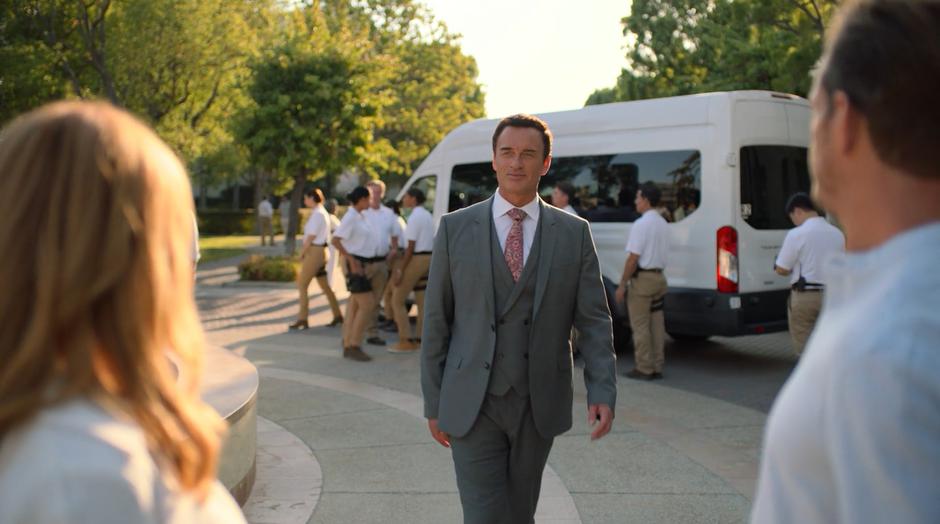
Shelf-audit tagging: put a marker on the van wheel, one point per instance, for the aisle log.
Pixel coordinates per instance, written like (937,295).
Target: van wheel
(683,337)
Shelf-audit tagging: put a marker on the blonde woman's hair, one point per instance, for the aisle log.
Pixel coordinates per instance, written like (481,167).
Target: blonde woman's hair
(97,280)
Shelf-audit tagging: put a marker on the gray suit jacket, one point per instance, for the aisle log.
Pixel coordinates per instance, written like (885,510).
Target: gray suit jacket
(459,336)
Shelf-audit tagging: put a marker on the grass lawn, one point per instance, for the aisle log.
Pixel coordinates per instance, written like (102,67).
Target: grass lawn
(216,248)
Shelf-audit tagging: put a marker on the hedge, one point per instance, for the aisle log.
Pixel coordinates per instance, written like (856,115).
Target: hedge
(270,269)
(237,222)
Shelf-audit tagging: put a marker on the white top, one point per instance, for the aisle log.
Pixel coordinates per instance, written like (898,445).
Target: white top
(854,436)
(317,226)
(649,238)
(77,462)
(806,248)
(265,209)
(357,235)
(384,222)
(504,223)
(569,209)
(420,229)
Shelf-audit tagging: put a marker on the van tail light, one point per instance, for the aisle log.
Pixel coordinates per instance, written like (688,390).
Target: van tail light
(727,273)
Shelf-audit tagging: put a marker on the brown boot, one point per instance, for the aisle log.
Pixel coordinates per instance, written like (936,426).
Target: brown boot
(355,353)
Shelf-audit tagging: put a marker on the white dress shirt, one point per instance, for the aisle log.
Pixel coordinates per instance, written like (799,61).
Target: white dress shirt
(649,238)
(357,235)
(317,226)
(78,462)
(504,223)
(420,229)
(854,435)
(806,248)
(384,223)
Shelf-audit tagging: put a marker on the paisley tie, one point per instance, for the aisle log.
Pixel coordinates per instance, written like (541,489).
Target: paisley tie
(513,250)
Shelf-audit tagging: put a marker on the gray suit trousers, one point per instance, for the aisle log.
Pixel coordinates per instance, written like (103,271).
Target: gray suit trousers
(499,462)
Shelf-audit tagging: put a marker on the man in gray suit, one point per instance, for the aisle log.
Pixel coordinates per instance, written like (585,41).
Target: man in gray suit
(509,278)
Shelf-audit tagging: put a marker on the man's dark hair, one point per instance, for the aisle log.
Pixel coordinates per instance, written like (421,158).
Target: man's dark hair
(567,189)
(315,194)
(357,194)
(524,120)
(801,201)
(394,205)
(651,192)
(417,194)
(885,56)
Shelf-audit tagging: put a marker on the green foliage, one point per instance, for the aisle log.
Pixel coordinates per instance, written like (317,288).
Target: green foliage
(270,269)
(694,46)
(227,222)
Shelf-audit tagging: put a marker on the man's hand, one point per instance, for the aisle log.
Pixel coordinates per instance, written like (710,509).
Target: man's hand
(355,266)
(443,438)
(621,294)
(599,416)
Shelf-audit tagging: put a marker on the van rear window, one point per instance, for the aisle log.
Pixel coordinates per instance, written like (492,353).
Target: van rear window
(769,175)
(604,185)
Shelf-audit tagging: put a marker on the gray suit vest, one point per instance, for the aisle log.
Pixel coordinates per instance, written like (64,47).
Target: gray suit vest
(514,302)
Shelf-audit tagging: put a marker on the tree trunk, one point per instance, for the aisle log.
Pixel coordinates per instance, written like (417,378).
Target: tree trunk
(296,199)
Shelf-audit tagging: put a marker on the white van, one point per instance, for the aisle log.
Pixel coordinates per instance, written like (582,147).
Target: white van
(726,164)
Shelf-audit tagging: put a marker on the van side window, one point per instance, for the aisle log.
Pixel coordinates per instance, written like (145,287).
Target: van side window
(605,185)
(769,175)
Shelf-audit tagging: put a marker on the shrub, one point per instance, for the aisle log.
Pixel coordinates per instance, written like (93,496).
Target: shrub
(270,269)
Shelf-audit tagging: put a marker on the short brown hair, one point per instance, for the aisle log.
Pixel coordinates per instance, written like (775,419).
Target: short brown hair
(885,56)
(524,120)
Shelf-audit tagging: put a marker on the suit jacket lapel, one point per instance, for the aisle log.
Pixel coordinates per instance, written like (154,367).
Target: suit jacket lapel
(545,255)
(482,230)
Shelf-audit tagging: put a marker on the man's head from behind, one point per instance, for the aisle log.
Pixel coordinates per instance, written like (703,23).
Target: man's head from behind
(799,208)
(647,197)
(875,97)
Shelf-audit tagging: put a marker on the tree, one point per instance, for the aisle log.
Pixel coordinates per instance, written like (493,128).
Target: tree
(696,46)
(314,112)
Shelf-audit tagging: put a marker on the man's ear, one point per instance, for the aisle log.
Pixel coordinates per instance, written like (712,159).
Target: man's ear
(847,123)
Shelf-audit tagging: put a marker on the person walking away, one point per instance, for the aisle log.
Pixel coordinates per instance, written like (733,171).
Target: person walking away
(101,419)
(265,218)
(384,224)
(496,364)
(313,258)
(805,248)
(356,241)
(413,271)
(644,284)
(854,435)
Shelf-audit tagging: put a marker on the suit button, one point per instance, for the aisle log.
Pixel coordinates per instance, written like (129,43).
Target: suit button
(525,356)
(493,327)
(486,365)
(526,322)
(502,321)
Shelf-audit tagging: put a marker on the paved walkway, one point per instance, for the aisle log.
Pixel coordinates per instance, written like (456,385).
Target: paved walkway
(357,450)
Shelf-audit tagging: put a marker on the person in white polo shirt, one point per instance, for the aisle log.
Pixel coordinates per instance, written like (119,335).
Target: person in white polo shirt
(356,242)
(384,224)
(313,257)
(805,249)
(644,284)
(413,271)
(562,196)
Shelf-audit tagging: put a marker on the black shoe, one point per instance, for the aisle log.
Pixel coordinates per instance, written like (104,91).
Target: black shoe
(639,375)
(300,324)
(356,353)
(335,322)
(656,376)
(375,341)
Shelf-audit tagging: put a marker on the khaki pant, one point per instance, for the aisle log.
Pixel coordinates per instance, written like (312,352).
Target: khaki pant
(416,271)
(802,311)
(649,327)
(388,297)
(266,229)
(360,309)
(379,279)
(313,265)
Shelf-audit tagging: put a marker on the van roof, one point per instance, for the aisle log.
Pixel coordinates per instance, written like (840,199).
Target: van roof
(656,112)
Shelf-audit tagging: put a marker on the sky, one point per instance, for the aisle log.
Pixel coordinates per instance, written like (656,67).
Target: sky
(538,56)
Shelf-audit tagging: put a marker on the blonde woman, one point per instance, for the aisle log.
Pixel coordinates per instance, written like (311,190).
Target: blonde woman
(313,257)
(95,424)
